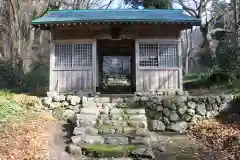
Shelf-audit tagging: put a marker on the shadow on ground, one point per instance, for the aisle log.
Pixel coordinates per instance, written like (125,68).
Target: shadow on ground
(231,115)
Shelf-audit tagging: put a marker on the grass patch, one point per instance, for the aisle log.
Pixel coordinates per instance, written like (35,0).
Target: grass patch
(5,93)
(206,83)
(9,109)
(16,106)
(196,80)
(23,130)
(194,77)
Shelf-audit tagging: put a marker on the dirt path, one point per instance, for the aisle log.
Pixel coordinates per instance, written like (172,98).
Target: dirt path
(57,141)
(170,146)
(57,147)
(179,147)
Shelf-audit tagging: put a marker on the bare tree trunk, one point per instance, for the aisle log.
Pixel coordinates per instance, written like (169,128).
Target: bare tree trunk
(237,3)
(235,23)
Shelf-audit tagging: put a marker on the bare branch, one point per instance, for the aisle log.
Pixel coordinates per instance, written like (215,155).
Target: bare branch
(190,10)
(109,3)
(196,3)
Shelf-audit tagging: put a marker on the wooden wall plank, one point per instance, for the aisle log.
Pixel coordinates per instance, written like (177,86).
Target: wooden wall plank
(74,81)
(157,79)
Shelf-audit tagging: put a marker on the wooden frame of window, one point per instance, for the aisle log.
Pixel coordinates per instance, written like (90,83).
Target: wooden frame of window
(70,42)
(76,58)
(147,76)
(53,85)
(159,42)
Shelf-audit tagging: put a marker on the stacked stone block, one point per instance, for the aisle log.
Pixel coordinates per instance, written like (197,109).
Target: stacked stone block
(177,113)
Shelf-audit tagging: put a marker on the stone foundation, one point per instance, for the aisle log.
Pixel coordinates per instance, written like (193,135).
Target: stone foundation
(126,120)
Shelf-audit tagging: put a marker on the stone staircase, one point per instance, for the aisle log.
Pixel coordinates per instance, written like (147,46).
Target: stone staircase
(106,126)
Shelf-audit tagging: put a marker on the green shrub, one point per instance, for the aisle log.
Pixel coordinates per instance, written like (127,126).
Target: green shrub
(191,76)
(14,77)
(11,75)
(228,61)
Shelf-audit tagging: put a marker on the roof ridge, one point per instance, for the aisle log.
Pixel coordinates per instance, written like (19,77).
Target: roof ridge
(117,10)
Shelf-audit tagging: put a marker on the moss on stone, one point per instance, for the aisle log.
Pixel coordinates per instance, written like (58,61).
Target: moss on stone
(106,126)
(58,113)
(129,130)
(109,148)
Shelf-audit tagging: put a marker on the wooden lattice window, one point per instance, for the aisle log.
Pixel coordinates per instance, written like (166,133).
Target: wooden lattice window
(158,55)
(148,54)
(82,55)
(73,55)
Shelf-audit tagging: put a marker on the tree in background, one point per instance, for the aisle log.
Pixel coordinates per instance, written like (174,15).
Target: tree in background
(158,4)
(28,47)
(152,4)
(81,4)
(22,33)
(203,9)
(214,15)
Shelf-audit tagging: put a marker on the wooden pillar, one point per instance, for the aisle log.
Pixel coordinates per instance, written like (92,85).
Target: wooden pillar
(136,66)
(94,64)
(52,86)
(180,74)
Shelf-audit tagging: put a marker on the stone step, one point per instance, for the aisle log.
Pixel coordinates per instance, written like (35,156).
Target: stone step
(126,139)
(85,130)
(86,120)
(111,99)
(87,139)
(116,140)
(111,151)
(133,111)
(130,136)
(97,99)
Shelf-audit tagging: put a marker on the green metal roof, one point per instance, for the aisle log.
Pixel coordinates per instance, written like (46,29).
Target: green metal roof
(114,15)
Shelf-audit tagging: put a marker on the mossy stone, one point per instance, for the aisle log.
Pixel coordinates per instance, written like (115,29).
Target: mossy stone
(107,150)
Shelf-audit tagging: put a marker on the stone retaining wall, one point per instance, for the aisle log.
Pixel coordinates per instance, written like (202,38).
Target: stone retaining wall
(144,110)
(180,112)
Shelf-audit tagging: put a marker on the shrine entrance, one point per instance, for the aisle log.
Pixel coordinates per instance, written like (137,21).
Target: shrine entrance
(116,66)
